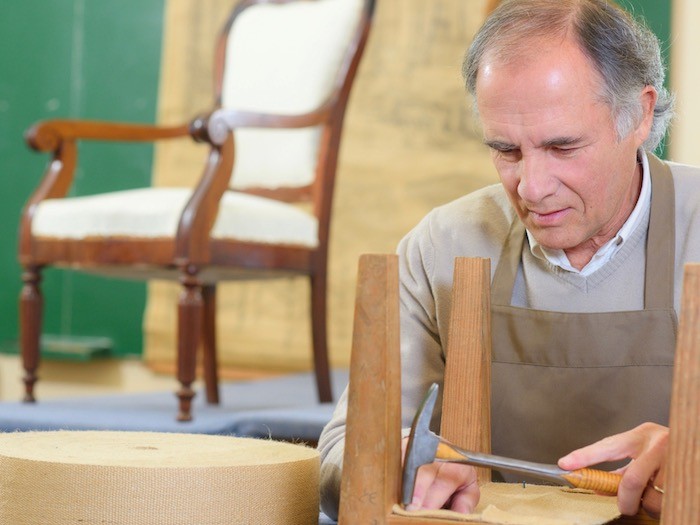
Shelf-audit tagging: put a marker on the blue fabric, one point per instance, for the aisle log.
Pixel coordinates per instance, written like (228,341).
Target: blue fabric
(280,408)
(325,520)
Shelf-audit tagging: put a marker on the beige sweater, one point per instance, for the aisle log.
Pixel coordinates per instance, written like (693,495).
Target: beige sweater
(476,225)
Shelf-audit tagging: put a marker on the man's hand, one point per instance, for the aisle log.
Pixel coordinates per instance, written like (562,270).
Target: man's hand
(444,485)
(643,477)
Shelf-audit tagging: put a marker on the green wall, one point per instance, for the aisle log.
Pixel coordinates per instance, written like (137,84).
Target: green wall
(92,59)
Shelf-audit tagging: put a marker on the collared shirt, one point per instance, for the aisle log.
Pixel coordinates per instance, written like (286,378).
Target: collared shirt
(610,248)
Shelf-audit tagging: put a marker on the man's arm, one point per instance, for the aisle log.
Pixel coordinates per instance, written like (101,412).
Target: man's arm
(331,446)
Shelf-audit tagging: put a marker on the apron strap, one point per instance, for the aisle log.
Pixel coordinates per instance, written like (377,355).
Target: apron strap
(508,263)
(661,238)
(661,241)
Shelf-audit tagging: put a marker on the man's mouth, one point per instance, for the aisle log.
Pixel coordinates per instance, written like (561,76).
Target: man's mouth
(547,218)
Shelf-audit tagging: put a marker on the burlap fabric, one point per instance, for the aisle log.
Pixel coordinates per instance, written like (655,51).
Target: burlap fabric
(515,504)
(135,478)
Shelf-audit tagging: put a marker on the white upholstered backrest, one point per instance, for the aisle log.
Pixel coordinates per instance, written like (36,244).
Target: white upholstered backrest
(284,58)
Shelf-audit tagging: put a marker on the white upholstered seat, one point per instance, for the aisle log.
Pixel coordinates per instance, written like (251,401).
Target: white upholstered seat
(155,212)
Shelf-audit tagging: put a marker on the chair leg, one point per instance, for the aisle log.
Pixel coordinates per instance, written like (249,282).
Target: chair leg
(211,378)
(189,329)
(31,304)
(319,336)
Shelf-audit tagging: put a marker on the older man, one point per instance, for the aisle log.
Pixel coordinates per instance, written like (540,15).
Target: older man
(587,233)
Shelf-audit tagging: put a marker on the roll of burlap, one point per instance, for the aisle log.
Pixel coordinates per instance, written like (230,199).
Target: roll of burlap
(515,504)
(142,478)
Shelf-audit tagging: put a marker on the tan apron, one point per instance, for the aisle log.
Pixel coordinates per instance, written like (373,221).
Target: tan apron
(564,380)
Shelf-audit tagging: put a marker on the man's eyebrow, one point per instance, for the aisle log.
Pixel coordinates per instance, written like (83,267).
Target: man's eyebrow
(499,145)
(555,142)
(561,141)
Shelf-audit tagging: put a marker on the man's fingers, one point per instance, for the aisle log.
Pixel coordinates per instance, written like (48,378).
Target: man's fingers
(640,478)
(646,446)
(454,483)
(465,500)
(424,481)
(653,495)
(613,448)
(630,444)
(438,484)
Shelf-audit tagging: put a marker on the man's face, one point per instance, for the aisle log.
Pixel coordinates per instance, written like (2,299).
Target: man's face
(555,147)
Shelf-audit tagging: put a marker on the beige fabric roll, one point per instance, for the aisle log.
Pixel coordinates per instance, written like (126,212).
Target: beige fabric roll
(515,504)
(139,478)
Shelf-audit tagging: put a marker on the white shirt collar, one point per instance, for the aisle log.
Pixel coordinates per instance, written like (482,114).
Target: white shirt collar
(605,252)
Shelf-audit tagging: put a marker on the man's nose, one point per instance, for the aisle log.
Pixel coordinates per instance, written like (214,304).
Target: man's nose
(536,181)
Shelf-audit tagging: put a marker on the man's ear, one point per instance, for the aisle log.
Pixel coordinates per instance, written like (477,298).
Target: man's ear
(647,99)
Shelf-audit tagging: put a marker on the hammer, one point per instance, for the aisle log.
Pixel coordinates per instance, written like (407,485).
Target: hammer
(425,447)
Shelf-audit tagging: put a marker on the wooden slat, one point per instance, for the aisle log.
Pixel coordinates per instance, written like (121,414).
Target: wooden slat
(466,415)
(395,519)
(372,462)
(640,519)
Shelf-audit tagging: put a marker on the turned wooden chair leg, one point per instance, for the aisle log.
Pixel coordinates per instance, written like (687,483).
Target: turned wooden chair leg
(211,378)
(319,335)
(189,330)
(31,304)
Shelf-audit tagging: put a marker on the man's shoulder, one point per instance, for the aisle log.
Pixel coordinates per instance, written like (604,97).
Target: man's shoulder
(472,224)
(483,205)
(683,170)
(686,182)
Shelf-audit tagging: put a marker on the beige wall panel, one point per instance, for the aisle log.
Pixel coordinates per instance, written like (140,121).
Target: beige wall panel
(409,145)
(685,81)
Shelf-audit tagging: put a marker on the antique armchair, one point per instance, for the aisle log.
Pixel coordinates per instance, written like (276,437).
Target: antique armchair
(283,73)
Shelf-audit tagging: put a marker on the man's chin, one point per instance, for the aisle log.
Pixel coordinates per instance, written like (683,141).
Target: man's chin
(552,242)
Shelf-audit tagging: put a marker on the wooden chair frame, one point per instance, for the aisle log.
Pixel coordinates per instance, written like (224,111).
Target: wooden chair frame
(371,480)
(192,251)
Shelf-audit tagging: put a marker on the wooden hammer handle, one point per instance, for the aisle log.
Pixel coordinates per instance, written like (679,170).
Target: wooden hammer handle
(598,480)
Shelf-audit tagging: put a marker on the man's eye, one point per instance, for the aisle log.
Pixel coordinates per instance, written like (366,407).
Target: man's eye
(509,154)
(564,151)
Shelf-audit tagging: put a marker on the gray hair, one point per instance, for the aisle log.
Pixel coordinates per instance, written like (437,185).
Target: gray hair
(623,50)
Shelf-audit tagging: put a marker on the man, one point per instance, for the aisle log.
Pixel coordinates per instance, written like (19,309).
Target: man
(587,235)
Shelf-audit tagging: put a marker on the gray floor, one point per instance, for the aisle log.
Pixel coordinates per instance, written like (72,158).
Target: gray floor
(283,407)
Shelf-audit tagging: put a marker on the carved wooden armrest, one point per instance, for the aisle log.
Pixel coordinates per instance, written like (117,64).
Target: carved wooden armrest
(215,126)
(49,135)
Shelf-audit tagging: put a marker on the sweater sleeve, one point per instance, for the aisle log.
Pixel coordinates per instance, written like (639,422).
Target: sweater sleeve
(422,356)
(331,446)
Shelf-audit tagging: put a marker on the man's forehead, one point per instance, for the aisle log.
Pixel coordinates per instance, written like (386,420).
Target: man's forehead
(510,50)
(526,53)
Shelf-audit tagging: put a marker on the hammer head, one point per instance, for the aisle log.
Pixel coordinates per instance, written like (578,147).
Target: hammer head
(422,444)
